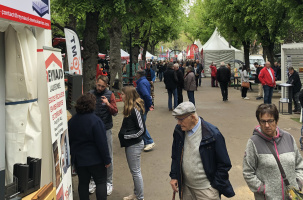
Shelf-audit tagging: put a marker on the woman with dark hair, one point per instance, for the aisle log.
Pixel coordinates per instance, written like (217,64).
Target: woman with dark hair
(88,147)
(190,84)
(260,168)
(244,78)
(130,136)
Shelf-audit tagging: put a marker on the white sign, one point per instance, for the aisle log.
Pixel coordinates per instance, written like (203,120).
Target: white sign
(32,12)
(73,49)
(58,124)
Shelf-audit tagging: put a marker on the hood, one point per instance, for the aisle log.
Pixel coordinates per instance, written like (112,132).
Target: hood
(258,132)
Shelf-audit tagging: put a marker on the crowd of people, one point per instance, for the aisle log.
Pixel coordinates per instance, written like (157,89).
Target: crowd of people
(200,161)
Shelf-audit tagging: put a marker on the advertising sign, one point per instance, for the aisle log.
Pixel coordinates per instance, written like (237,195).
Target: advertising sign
(32,12)
(58,123)
(73,49)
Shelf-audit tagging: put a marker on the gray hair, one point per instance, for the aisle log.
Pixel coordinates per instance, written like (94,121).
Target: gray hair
(170,65)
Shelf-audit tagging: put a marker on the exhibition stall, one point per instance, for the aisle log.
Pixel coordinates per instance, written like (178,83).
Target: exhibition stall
(32,101)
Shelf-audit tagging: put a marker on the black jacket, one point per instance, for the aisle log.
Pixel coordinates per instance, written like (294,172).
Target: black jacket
(180,77)
(132,129)
(214,157)
(294,79)
(102,110)
(223,74)
(87,140)
(170,79)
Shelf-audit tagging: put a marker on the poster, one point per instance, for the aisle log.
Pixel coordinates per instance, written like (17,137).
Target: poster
(32,12)
(58,124)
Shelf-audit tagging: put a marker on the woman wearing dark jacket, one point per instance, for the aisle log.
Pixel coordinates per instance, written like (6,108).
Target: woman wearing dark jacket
(130,136)
(88,147)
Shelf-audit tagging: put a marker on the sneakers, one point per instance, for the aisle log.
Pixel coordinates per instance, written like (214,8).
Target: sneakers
(246,98)
(149,147)
(92,187)
(130,197)
(258,98)
(109,189)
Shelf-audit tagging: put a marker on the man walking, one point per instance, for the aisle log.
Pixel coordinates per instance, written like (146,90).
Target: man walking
(267,78)
(200,161)
(180,83)
(170,81)
(105,108)
(151,77)
(143,89)
(294,79)
(223,77)
(260,87)
(199,70)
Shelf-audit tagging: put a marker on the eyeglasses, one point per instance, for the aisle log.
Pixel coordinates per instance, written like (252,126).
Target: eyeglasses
(181,119)
(270,121)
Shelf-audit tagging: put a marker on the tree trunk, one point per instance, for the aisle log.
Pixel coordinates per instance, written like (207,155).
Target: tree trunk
(90,52)
(115,32)
(269,51)
(246,45)
(144,51)
(72,21)
(135,46)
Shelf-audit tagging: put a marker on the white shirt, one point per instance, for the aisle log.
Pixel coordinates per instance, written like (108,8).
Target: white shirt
(272,78)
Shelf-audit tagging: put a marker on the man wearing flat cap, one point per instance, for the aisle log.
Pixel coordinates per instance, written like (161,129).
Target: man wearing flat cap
(200,161)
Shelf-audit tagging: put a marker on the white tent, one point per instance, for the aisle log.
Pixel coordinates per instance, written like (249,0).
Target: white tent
(198,43)
(148,56)
(217,50)
(124,54)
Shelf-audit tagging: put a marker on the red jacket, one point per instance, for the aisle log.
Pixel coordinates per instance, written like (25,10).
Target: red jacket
(265,77)
(213,70)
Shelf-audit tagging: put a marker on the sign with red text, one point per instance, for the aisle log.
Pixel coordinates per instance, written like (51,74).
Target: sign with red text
(58,123)
(73,50)
(31,12)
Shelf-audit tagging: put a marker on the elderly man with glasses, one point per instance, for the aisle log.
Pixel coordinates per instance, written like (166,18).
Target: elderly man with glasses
(200,161)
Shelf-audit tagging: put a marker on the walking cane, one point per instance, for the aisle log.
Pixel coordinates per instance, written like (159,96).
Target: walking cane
(174,195)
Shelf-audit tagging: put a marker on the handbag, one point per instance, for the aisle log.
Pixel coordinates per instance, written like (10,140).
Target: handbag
(290,191)
(245,84)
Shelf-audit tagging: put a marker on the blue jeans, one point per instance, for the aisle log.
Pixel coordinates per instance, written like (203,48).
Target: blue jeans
(133,156)
(160,76)
(146,137)
(170,93)
(191,96)
(109,136)
(267,94)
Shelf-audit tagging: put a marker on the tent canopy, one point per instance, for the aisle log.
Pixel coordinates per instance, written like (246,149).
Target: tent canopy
(217,50)
(148,56)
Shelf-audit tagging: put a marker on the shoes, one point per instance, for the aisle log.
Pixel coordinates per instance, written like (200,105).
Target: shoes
(91,186)
(170,109)
(246,98)
(149,147)
(297,112)
(109,189)
(258,98)
(130,197)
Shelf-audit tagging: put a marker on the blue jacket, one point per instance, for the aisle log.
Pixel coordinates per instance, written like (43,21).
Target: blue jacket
(88,141)
(152,74)
(143,88)
(214,157)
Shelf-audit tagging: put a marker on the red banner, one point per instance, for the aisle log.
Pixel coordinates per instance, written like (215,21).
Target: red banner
(23,17)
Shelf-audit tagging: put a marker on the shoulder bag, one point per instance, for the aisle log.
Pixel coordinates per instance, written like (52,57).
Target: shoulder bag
(291,192)
(245,84)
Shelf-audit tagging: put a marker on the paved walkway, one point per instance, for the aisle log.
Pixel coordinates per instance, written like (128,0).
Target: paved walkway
(235,119)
